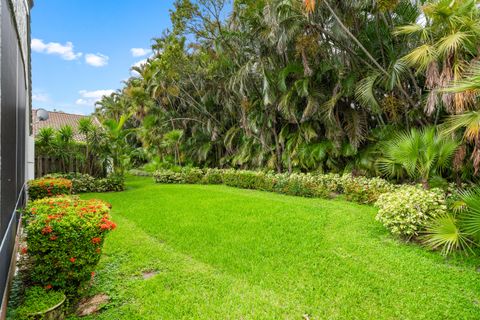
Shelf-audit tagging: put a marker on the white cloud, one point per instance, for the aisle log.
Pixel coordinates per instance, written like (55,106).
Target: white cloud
(40,97)
(65,51)
(96,60)
(140,63)
(140,52)
(89,98)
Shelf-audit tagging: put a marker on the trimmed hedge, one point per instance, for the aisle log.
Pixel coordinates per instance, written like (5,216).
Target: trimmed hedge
(82,183)
(65,236)
(358,189)
(48,187)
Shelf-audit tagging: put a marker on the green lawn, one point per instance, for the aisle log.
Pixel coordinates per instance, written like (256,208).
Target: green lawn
(224,253)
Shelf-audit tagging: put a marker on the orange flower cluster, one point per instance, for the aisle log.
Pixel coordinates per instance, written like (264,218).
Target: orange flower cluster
(48,229)
(107,224)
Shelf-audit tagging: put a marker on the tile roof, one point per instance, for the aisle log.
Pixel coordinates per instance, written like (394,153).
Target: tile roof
(57,120)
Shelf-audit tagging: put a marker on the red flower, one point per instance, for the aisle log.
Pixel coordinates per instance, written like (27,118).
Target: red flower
(93,274)
(72,259)
(47,230)
(48,287)
(24,250)
(53,238)
(96,240)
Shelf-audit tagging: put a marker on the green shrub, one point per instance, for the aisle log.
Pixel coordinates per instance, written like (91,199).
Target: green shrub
(192,175)
(82,183)
(299,184)
(212,176)
(407,211)
(168,176)
(64,240)
(112,183)
(48,187)
(240,178)
(330,183)
(364,190)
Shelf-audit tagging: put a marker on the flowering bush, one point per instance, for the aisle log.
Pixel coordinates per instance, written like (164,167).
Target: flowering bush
(64,240)
(407,211)
(82,183)
(364,190)
(48,187)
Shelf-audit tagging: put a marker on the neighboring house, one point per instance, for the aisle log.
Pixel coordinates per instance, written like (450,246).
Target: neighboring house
(15,133)
(57,120)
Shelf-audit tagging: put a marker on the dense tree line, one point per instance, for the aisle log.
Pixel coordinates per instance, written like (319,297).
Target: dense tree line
(373,87)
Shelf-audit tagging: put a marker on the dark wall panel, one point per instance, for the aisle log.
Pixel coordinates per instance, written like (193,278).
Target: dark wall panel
(8,115)
(13,108)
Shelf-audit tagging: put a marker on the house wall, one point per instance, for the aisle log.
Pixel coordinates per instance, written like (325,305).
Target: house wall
(15,108)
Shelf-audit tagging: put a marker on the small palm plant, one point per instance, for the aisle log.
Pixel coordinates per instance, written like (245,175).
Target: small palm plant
(419,154)
(458,230)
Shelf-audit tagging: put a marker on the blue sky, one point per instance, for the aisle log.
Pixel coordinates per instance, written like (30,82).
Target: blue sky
(82,49)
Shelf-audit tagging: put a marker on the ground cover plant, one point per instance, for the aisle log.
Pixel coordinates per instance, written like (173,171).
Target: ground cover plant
(218,252)
(36,301)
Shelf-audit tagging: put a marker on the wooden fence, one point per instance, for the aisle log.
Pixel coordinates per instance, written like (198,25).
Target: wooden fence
(46,165)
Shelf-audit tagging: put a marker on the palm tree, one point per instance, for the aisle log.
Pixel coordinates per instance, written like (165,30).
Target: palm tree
(64,147)
(448,42)
(469,121)
(420,154)
(86,127)
(116,139)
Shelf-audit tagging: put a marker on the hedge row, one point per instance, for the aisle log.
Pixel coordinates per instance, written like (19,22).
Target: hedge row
(82,183)
(403,209)
(358,189)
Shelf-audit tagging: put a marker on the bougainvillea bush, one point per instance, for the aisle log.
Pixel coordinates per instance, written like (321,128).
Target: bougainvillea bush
(65,236)
(48,187)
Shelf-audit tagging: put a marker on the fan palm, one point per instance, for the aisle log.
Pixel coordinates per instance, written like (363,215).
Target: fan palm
(459,230)
(444,233)
(420,154)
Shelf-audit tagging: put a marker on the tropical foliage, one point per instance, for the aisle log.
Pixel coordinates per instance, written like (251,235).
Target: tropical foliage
(300,89)
(305,85)
(101,148)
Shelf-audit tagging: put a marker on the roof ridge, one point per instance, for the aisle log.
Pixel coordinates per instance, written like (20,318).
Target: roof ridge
(62,112)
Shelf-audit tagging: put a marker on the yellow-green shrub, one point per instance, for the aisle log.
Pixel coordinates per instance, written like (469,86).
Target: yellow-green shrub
(406,211)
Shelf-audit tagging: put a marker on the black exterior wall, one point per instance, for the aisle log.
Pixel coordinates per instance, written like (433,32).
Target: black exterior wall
(14,106)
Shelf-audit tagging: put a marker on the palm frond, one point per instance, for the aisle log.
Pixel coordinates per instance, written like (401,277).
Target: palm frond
(364,93)
(444,233)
